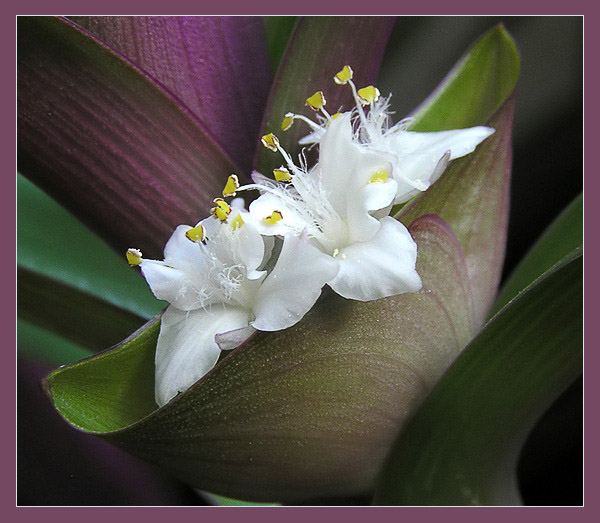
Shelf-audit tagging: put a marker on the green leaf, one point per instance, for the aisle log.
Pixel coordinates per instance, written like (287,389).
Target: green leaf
(77,316)
(54,244)
(472,197)
(278,30)
(301,413)
(461,447)
(318,48)
(44,346)
(561,240)
(476,86)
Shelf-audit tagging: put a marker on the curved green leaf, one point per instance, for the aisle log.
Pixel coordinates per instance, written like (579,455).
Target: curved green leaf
(318,48)
(296,414)
(476,86)
(561,240)
(460,448)
(54,244)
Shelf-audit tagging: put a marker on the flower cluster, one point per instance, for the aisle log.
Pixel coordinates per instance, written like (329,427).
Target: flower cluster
(241,270)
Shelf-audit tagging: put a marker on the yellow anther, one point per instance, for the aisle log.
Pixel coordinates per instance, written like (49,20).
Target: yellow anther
(134,257)
(196,234)
(274,217)
(380,176)
(344,76)
(368,95)
(231,186)
(287,121)
(335,115)
(237,222)
(336,252)
(221,210)
(282,174)
(270,141)
(317,101)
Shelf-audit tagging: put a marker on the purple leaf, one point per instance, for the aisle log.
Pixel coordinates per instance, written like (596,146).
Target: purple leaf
(107,142)
(319,47)
(217,66)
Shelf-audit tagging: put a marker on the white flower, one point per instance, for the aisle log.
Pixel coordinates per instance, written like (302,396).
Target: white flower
(341,205)
(418,158)
(219,291)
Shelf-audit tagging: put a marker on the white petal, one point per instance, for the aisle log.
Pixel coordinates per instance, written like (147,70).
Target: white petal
(232,339)
(406,188)
(381,267)
(180,251)
(418,154)
(187,349)
(264,206)
(171,284)
(293,286)
(251,246)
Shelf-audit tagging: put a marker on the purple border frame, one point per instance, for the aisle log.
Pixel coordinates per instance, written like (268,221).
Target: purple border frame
(292,514)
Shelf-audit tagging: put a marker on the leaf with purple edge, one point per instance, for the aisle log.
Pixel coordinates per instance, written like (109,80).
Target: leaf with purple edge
(318,48)
(305,412)
(109,143)
(215,65)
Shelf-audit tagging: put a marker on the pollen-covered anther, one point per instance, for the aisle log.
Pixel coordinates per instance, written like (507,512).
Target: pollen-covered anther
(317,101)
(368,95)
(231,186)
(196,234)
(134,257)
(288,121)
(237,222)
(221,210)
(274,217)
(344,76)
(270,141)
(379,176)
(282,174)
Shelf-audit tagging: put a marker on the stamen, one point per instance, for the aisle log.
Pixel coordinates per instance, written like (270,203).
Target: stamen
(282,174)
(270,141)
(380,176)
(344,76)
(221,210)
(134,257)
(231,186)
(287,121)
(237,222)
(273,218)
(196,234)
(368,95)
(317,101)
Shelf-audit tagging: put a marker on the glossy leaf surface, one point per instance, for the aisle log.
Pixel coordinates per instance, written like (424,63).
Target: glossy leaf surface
(561,240)
(461,447)
(304,412)
(52,243)
(476,86)
(107,141)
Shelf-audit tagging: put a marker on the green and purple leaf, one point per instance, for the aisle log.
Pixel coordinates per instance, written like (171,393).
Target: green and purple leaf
(107,141)
(304,412)
(318,48)
(217,66)
(462,446)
